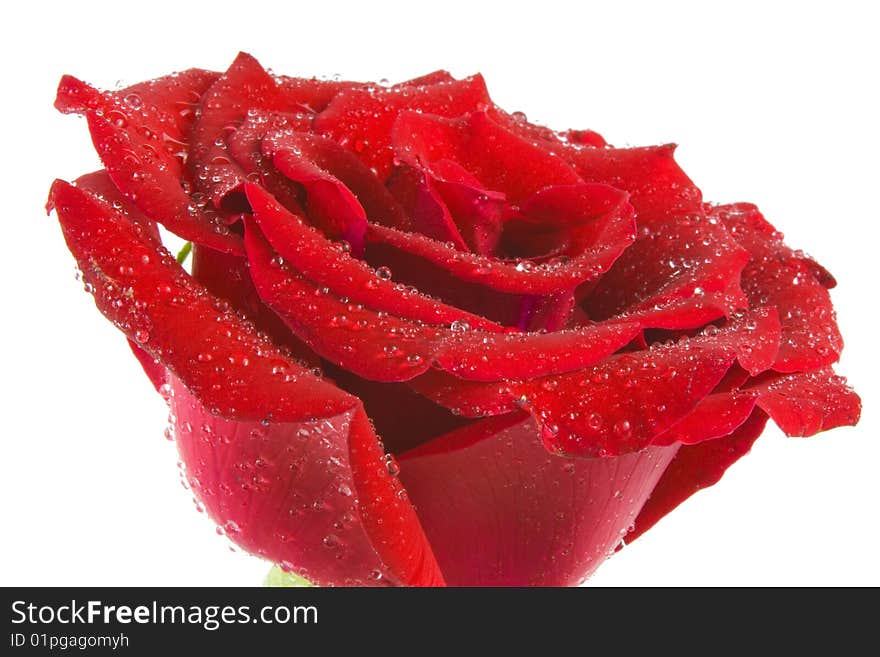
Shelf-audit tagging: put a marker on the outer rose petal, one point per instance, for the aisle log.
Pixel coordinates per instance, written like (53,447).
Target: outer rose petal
(229,378)
(161,111)
(753,338)
(434,77)
(501,511)
(621,404)
(792,282)
(147,174)
(625,402)
(314,496)
(806,403)
(99,183)
(696,467)
(715,416)
(140,287)
(801,404)
(175,98)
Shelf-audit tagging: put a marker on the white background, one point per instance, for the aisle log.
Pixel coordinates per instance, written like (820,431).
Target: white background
(771,103)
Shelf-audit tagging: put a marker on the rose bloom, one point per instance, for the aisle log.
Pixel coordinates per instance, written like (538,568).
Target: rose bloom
(425,341)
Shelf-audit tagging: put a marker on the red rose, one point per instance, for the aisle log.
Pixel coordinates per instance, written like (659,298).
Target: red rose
(425,341)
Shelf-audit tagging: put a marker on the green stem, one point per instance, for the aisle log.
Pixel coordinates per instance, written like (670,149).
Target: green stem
(278,577)
(183,254)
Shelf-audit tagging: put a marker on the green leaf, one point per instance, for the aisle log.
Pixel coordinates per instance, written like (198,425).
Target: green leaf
(282,578)
(184,252)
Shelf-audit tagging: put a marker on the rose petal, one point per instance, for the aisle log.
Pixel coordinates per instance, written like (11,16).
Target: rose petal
(314,496)
(160,110)
(425,210)
(566,221)
(310,253)
(175,98)
(373,345)
(752,337)
(228,277)
(518,124)
(362,119)
(656,184)
(805,403)
(801,404)
(625,402)
(480,356)
(307,158)
(472,399)
(153,368)
(622,403)
(696,467)
(99,184)
(501,511)
(143,290)
(581,137)
(400,415)
(604,217)
(330,205)
(677,275)
(715,416)
(550,312)
(496,157)
(475,210)
(245,148)
(434,77)
(453,207)
(147,174)
(792,282)
(311,94)
(383,347)
(222,399)
(244,86)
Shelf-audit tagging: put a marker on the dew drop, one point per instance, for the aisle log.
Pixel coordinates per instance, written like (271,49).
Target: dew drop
(623,428)
(133,100)
(391,465)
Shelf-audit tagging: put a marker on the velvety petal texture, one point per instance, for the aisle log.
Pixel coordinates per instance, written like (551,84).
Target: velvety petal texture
(423,341)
